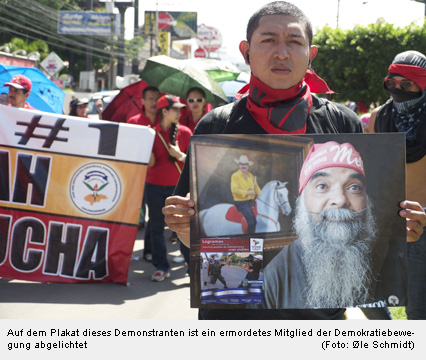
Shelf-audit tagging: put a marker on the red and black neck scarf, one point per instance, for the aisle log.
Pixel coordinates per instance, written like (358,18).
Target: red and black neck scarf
(283,111)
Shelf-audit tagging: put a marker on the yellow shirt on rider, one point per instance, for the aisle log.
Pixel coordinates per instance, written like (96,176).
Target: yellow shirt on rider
(240,186)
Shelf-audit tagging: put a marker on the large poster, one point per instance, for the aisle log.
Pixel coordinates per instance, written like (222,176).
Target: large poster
(70,193)
(305,221)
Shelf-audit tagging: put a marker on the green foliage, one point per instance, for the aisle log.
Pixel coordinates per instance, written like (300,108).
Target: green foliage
(355,62)
(132,47)
(37,45)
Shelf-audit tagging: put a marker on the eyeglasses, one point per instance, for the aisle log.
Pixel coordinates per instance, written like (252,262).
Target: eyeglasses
(403,84)
(198,100)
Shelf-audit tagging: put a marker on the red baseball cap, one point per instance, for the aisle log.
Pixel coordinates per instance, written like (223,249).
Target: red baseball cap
(20,82)
(329,154)
(169,101)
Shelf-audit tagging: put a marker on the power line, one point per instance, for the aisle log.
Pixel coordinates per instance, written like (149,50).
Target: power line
(82,52)
(28,13)
(98,44)
(68,42)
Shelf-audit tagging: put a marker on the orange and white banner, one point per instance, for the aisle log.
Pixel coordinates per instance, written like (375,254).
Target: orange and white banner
(70,193)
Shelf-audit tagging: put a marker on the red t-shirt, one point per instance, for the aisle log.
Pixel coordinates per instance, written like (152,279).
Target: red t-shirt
(164,172)
(186,117)
(142,119)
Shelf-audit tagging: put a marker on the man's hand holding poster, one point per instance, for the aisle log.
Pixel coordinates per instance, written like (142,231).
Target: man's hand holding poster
(325,208)
(70,194)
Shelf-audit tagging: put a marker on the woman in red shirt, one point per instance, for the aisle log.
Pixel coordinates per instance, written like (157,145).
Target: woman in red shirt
(168,155)
(197,107)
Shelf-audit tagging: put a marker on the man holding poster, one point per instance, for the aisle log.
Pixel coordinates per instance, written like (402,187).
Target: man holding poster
(279,100)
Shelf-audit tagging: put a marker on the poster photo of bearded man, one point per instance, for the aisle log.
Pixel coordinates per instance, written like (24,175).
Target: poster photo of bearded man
(345,243)
(349,247)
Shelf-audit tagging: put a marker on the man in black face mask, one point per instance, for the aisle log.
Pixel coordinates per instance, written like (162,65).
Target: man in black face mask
(405,112)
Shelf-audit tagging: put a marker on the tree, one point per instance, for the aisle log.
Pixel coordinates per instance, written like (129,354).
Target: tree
(37,45)
(355,62)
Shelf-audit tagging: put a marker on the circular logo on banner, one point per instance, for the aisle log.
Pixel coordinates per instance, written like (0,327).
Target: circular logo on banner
(95,189)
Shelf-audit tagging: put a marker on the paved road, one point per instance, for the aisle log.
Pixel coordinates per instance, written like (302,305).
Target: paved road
(140,299)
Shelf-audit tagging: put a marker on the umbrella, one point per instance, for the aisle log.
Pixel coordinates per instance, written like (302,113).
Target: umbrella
(126,104)
(45,95)
(176,77)
(218,70)
(231,87)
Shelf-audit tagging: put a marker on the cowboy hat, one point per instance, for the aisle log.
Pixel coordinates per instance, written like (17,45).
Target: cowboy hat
(243,160)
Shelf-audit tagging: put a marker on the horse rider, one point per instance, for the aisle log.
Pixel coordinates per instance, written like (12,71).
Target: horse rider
(244,190)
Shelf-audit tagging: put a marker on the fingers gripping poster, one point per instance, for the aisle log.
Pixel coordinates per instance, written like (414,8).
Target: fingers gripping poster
(70,193)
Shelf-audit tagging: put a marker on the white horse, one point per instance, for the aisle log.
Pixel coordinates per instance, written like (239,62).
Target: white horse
(273,197)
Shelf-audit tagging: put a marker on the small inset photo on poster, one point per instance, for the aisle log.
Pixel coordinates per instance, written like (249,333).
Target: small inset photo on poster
(231,270)
(326,207)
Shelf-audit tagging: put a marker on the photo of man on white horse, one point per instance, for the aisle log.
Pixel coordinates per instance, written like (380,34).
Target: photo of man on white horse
(255,210)
(245,185)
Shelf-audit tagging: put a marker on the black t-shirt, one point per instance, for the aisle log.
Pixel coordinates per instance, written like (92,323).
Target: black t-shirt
(324,118)
(256,266)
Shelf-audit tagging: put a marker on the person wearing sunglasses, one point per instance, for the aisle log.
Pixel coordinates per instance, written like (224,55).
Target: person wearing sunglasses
(168,154)
(405,112)
(197,107)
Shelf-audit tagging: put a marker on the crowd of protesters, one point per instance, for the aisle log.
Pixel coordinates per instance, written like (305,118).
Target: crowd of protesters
(175,120)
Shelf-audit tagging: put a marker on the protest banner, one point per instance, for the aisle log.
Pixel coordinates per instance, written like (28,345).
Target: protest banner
(70,193)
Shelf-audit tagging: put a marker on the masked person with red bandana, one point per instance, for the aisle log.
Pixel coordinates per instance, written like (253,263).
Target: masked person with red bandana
(280,100)
(19,90)
(405,112)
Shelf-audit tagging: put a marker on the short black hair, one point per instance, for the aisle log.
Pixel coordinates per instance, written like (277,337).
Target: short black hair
(278,8)
(149,88)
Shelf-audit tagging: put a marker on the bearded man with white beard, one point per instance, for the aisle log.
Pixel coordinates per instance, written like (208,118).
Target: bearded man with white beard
(329,265)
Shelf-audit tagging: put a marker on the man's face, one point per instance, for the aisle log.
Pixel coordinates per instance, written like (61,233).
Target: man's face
(279,51)
(243,167)
(335,188)
(150,101)
(17,97)
(337,238)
